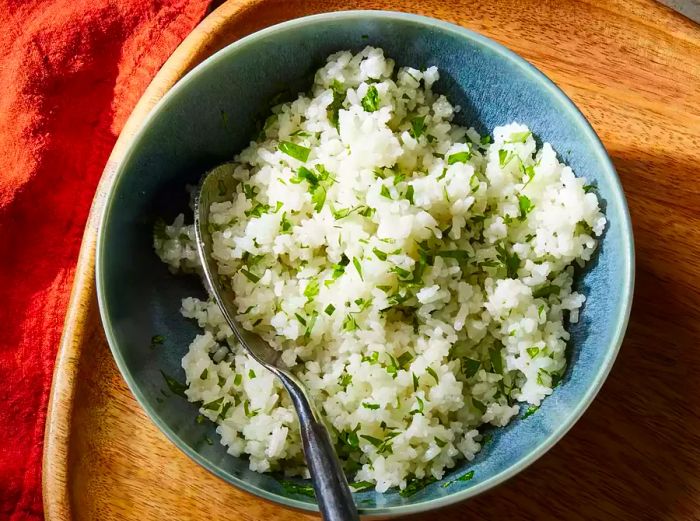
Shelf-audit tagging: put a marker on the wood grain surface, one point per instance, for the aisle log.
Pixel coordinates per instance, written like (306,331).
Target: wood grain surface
(633,67)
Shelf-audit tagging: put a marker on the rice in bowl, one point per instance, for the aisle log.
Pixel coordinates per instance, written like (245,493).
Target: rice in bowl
(415,276)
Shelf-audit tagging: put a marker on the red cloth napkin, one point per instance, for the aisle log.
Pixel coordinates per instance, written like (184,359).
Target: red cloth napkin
(70,72)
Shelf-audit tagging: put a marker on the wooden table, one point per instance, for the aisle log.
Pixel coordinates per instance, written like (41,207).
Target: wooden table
(633,67)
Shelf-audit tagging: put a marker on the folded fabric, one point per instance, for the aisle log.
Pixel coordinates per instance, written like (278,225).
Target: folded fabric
(71,72)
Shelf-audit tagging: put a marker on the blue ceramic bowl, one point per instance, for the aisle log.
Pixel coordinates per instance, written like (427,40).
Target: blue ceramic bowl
(211,114)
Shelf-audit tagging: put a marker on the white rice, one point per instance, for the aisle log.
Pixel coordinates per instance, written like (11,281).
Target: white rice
(418,364)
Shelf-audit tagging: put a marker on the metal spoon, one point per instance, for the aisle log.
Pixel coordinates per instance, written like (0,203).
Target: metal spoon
(332,490)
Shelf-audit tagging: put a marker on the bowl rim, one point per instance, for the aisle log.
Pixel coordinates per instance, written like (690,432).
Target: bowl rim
(528,69)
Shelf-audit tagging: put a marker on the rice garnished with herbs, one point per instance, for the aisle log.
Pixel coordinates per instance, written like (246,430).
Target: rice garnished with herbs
(414,274)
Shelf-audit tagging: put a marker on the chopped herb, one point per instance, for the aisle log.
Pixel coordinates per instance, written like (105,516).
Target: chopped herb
(525,205)
(533,351)
(200,419)
(530,411)
(417,126)
(358,267)
(504,157)
(225,409)
(157,340)
(519,137)
(304,174)
(318,197)
(251,374)
(404,359)
(222,380)
(298,152)
(237,379)
(285,225)
(371,100)
(384,192)
(248,412)
(249,191)
(374,441)
(540,310)
(485,140)
(258,210)
(419,410)
(349,324)
(295,488)
(380,254)
(372,359)
(345,380)
(541,374)
(480,406)
(371,406)
(311,323)
(453,254)
(464,477)
(529,171)
(432,373)
(470,367)
(510,261)
(311,289)
(361,486)
(546,291)
(440,443)
(250,276)
(399,178)
(416,485)
(409,194)
(204,374)
(459,157)
(174,386)
(301,319)
(588,188)
(415,382)
(337,103)
(496,360)
(330,308)
(214,405)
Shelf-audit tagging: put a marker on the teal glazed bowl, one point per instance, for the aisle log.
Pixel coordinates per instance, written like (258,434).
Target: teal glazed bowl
(186,134)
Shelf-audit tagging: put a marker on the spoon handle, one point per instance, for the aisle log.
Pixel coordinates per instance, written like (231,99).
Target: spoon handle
(332,491)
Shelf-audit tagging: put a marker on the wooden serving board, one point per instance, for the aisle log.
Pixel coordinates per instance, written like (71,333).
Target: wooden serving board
(633,67)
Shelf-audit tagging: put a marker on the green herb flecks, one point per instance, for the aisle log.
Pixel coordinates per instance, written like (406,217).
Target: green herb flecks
(214,405)
(496,360)
(470,366)
(417,126)
(464,477)
(419,409)
(416,485)
(361,486)
(358,267)
(370,102)
(525,206)
(533,351)
(371,406)
(175,387)
(546,291)
(504,157)
(509,260)
(432,373)
(330,308)
(530,411)
(311,289)
(459,157)
(298,152)
(519,137)
(479,405)
(409,194)
(250,276)
(290,487)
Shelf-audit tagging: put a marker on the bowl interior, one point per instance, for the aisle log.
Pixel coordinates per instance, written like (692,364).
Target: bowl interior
(211,114)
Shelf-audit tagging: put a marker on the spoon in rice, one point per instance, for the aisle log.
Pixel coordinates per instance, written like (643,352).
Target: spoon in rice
(332,491)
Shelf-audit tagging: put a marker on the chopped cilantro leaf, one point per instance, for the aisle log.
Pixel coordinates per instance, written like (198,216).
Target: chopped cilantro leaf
(214,405)
(470,366)
(504,157)
(380,254)
(298,152)
(361,486)
(533,351)
(480,406)
(358,267)
(371,100)
(174,386)
(251,374)
(530,411)
(417,126)
(409,194)
(384,192)
(416,485)
(525,205)
(250,276)
(496,360)
(330,308)
(295,488)
(459,157)
(311,289)
(371,406)
(519,137)
(546,291)
(432,373)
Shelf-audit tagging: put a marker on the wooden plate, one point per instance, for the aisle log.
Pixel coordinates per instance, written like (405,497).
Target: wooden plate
(633,67)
